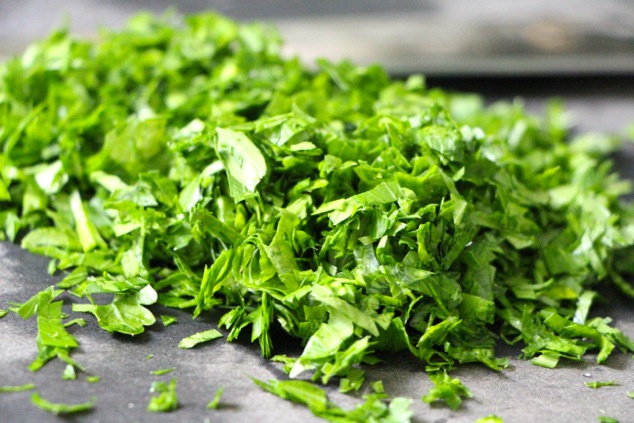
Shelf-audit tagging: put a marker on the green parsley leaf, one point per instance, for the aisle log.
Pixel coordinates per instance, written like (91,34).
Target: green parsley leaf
(3,313)
(126,313)
(197,338)
(69,373)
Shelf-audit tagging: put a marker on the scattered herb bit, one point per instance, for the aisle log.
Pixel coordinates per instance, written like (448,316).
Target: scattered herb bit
(3,313)
(630,394)
(149,356)
(215,401)
(168,320)
(52,339)
(93,379)
(446,389)
(490,419)
(167,400)
(606,419)
(18,388)
(353,381)
(162,371)
(79,321)
(197,338)
(69,373)
(60,408)
(126,313)
(596,384)
(374,408)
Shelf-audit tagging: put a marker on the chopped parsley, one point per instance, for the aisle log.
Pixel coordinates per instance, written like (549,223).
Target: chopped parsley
(194,167)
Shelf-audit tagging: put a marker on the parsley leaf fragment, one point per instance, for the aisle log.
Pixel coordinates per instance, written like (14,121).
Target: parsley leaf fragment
(597,384)
(215,401)
(166,400)
(200,337)
(447,389)
(61,408)
(162,371)
(17,388)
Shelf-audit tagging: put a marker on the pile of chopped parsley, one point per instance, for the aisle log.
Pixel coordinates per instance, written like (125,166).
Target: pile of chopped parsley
(191,165)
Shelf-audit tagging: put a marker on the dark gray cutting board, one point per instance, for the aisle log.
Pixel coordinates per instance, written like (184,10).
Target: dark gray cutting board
(521,394)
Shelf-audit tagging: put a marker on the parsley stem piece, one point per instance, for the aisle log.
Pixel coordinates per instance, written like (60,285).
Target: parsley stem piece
(60,408)
(18,388)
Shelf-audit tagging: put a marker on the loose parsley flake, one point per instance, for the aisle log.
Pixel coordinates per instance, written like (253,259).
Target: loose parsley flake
(162,371)
(69,373)
(60,408)
(374,408)
(490,419)
(200,337)
(215,401)
(17,388)
(166,400)
(447,389)
(596,384)
(167,320)
(3,313)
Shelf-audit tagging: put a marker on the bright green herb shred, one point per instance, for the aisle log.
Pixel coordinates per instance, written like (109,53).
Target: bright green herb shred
(60,408)
(215,401)
(161,372)
(69,373)
(166,400)
(596,384)
(374,408)
(198,338)
(447,389)
(192,166)
(3,313)
(167,320)
(17,388)
(490,419)
(606,419)
(93,379)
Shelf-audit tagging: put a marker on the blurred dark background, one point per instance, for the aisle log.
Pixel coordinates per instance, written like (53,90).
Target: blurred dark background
(439,38)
